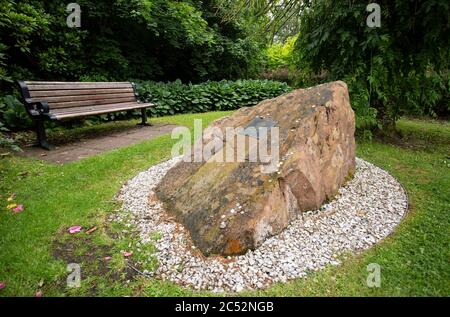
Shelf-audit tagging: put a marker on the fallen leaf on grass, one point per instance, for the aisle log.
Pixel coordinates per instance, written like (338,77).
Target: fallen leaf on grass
(127,254)
(11,198)
(91,230)
(11,206)
(107,258)
(23,174)
(18,209)
(38,294)
(2,285)
(74,229)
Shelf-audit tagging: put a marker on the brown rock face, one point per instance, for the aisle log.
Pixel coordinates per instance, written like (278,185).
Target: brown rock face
(230,207)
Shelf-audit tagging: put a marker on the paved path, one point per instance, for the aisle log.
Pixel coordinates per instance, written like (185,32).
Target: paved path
(92,146)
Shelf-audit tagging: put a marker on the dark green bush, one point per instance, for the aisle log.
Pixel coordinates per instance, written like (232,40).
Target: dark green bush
(12,114)
(12,117)
(175,97)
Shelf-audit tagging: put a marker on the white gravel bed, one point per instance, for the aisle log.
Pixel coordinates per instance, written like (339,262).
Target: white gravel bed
(367,209)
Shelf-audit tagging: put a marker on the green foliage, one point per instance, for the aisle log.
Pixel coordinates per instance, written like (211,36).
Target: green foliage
(280,63)
(280,54)
(119,40)
(278,19)
(175,97)
(12,114)
(7,142)
(400,68)
(12,117)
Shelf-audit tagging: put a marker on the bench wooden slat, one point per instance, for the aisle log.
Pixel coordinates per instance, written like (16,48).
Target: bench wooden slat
(72,82)
(34,87)
(92,108)
(76,92)
(84,111)
(88,103)
(56,99)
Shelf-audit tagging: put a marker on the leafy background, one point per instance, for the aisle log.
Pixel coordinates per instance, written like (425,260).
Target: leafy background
(175,97)
(182,50)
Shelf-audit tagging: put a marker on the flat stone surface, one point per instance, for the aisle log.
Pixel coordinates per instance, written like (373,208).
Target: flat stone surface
(88,147)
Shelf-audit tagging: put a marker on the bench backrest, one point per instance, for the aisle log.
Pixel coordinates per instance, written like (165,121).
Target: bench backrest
(77,94)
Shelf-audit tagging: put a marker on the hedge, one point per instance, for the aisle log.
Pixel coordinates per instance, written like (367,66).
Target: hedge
(175,97)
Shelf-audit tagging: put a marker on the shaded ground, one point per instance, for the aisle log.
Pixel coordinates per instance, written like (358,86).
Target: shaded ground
(93,145)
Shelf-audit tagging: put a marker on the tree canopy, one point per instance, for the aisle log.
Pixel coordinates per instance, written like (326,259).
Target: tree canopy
(118,39)
(399,68)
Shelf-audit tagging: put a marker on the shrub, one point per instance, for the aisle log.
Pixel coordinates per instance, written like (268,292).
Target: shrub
(279,55)
(12,114)
(8,143)
(175,97)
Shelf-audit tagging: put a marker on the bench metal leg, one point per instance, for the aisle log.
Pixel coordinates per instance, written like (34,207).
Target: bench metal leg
(144,118)
(42,137)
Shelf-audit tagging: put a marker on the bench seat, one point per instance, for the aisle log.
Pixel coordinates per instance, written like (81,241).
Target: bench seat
(76,112)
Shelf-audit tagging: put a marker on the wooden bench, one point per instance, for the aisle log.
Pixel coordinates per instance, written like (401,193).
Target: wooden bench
(59,101)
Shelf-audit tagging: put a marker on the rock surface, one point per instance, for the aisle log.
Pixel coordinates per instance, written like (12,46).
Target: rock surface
(231,207)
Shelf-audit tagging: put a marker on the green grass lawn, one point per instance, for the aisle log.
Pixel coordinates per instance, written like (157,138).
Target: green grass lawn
(35,247)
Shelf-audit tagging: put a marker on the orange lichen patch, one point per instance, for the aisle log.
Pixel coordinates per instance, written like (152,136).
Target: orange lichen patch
(233,247)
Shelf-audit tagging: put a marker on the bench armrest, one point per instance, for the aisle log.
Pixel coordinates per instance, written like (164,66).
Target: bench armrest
(36,108)
(136,94)
(42,107)
(33,108)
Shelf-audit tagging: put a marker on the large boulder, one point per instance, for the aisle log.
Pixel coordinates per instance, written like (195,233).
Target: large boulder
(230,207)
